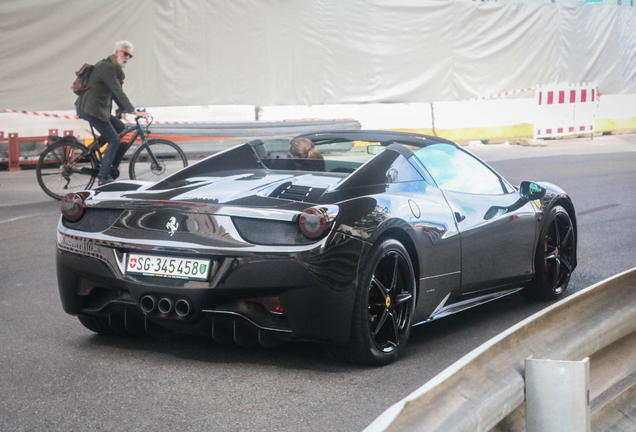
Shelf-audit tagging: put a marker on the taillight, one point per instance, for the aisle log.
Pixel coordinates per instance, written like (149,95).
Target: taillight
(273,305)
(72,206)
(46,142)
(315,220)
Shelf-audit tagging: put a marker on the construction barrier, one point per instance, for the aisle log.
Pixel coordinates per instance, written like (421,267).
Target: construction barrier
(484,390)
(14,158)
(565,110)
(492,118)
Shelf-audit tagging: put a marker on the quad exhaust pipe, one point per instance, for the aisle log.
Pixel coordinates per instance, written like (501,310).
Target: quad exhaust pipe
(150,304)
(165,305)
(182,308)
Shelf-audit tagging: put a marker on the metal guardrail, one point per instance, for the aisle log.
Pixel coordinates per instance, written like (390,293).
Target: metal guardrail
(259,128)
(484,390)
(225,135)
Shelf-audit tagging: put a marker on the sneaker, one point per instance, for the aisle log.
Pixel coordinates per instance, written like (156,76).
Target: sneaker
(104,181)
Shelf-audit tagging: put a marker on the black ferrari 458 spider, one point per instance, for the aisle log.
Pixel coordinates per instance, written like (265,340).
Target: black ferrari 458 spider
(350,242)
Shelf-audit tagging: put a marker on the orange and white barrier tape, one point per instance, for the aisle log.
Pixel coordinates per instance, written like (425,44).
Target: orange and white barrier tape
(500,95)
(42,114)
(74,117)
(50,115)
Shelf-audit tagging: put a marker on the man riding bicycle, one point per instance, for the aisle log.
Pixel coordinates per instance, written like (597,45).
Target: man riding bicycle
(96,103)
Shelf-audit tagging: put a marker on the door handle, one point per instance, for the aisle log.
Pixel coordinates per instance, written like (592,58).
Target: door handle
(459,217)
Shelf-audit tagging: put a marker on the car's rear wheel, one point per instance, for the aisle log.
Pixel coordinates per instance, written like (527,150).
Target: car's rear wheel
(383,310)
(554,258)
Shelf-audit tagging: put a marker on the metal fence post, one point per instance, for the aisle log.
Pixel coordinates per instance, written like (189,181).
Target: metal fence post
(557,395)
(14,152)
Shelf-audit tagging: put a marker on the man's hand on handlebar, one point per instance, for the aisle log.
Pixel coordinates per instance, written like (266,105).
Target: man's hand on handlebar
(143,114)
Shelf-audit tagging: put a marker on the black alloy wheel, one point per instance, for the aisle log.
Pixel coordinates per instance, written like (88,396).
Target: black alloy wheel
(555,255)
(384,306)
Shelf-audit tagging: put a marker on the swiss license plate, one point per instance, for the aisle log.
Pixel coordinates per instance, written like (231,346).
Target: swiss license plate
(167,266)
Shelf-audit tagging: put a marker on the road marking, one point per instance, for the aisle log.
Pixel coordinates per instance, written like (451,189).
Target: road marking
(594,210)
(25,217)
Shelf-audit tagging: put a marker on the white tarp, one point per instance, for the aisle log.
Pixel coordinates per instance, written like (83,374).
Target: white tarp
(282,52)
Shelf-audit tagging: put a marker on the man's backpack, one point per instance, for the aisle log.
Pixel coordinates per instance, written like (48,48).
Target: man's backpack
(80,85)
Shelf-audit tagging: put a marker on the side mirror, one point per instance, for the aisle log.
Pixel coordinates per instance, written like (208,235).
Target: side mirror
(530,191)
(375,149)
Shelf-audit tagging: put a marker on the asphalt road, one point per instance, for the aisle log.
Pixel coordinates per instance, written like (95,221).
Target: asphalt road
(56,375)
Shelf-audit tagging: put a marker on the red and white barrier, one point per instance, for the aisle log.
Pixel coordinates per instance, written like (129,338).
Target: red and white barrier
(565,109)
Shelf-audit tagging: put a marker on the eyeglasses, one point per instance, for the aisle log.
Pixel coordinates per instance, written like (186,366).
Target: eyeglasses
(127,54)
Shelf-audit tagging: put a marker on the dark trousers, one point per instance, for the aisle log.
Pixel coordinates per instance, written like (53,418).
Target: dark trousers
(108,133)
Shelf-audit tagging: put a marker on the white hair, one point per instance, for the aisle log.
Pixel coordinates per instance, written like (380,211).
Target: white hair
(123,43)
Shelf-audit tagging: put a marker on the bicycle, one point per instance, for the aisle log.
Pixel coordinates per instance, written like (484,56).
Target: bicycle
(67,165)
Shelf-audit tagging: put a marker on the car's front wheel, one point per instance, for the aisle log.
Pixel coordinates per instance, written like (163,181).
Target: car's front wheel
(554,259)
(384,305)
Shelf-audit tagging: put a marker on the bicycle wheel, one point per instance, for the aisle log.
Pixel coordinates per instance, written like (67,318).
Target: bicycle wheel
(156,160)
(64,167)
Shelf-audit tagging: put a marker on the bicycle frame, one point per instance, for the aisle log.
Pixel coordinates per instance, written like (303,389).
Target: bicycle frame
(138,132)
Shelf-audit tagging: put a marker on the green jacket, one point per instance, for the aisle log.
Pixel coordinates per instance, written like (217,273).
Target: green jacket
(104,85)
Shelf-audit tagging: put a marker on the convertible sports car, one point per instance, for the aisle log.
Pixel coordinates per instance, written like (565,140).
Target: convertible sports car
(379,232)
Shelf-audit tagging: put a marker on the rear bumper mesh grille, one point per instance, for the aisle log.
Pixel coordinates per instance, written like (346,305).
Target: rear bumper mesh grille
(270,232)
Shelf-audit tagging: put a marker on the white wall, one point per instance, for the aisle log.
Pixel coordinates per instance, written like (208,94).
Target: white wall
(311,52)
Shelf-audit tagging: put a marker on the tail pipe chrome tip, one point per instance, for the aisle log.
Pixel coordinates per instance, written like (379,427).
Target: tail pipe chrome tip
(182,307)
(148,303)
(165,305)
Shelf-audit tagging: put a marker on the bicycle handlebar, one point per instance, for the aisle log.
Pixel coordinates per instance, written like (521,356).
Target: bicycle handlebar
(150,119)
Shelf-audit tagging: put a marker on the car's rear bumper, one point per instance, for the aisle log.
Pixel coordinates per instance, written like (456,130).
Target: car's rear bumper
(315,288)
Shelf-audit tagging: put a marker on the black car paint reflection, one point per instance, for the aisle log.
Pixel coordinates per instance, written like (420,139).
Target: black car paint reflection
(272,283)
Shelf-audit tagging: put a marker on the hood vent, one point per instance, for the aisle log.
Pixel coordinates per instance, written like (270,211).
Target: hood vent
(295,193)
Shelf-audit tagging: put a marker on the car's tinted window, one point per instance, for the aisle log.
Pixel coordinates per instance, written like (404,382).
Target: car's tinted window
(457,171)
(402,171)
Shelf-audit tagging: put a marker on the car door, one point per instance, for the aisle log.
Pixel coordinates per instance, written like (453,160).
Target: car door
(497,229)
